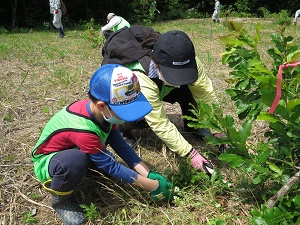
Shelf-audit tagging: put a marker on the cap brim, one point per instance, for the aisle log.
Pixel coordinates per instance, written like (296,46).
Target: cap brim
(180,75)
(133,111)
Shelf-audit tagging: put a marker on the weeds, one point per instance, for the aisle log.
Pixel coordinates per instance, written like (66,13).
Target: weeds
(46,79)
(29,219)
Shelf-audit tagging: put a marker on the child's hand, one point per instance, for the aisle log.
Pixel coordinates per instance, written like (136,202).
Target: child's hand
(155,176)
(162,192)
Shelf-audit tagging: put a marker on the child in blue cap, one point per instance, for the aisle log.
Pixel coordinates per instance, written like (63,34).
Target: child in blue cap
(76,139)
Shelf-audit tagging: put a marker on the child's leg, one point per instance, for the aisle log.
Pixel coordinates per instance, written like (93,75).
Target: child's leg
(67,169)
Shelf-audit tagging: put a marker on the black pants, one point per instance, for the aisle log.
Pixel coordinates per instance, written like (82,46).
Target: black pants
(184,97)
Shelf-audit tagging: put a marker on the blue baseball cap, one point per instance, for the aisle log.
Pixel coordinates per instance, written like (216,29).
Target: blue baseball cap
(119,87)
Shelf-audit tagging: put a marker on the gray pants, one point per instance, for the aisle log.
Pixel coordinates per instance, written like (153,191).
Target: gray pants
(296,15)
(216,16)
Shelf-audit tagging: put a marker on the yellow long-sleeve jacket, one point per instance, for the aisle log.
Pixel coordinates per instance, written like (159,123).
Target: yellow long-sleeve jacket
(157,119)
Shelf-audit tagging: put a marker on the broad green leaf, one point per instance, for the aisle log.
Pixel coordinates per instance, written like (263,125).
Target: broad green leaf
(275,168)
(257,66)
(257,180)
(256,213)
(226,55)
(255,111)
(293,57)
(262,78)
(276,38)
(233,134)
(232,159)
(273,215)
(230,41)
(292,103)
(263,156)
(288,39)
(260,169)
(267,117)
(268,95)
(234,26)
(245,131)
(242,85)
(296,200)
(229,121)
(242,108)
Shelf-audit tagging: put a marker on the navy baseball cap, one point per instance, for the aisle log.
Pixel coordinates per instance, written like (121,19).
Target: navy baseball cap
(175,54)
(119,87)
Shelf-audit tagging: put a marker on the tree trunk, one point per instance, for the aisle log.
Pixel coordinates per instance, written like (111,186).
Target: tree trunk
(14,5)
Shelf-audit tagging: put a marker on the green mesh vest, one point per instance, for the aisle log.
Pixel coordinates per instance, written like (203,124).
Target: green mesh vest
(122,24)
(64,120)
(164,90)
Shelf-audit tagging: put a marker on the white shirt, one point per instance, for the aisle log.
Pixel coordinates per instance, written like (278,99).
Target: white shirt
(54,4)
(112,23)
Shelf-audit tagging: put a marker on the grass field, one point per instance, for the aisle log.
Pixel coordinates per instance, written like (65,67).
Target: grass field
(40,73)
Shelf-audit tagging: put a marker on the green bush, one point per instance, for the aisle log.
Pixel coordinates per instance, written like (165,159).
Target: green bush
(283,17)
(262,12)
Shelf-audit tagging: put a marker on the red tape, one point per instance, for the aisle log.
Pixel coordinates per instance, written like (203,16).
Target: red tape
(278,87)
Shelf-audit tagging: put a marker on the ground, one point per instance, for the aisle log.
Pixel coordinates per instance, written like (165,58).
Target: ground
(38,77)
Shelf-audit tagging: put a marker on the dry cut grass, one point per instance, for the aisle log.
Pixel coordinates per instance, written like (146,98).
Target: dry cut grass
(40,73)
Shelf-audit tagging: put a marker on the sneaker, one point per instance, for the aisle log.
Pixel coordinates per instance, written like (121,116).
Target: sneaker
(198,133)
(129,138)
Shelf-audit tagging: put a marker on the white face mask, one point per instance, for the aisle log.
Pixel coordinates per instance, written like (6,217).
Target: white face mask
(161,77)
(112,119)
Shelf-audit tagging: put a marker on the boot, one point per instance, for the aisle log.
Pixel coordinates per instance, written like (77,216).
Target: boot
(66,206)
(126,132)
(61,32)
(199,133)
(68,209)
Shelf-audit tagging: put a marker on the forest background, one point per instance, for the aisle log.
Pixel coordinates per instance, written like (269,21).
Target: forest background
(33,13)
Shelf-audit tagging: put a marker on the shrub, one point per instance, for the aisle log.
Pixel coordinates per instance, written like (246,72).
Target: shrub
(283,17)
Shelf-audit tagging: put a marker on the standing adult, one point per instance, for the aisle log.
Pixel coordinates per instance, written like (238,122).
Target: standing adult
(57,10)
(216,14)
(152,10)
(169,71)
(76,139)
(114,23)
(297,13)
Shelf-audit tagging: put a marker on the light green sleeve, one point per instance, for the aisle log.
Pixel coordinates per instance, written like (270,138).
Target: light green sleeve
(202,88)
(158,120)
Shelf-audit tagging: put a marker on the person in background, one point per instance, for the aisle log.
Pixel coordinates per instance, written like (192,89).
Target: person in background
(216,14)
(114,23)
(76,138)
(168,72)
(57,10)
(152,10)
(297,13)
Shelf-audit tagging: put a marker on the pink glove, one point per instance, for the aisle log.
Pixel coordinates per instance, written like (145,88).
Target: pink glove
(200,162)
(56,11)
